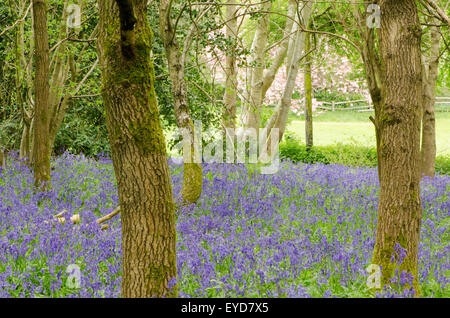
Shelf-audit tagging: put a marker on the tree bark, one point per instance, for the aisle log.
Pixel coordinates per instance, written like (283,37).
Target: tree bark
(251,114)
(25,141)
(400,210)
(41,146)
(2,158)
(138,150)
(428,151)
(24,84)
(279,117)
(280,56)
(372,68)
(308,95)
(192,169)
(230,95)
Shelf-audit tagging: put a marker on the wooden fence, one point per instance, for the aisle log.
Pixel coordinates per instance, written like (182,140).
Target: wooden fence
(442,105)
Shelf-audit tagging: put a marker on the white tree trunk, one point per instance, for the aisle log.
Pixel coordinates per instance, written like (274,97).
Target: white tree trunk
(290,28)
(279,118)
(230,95)
(252,107)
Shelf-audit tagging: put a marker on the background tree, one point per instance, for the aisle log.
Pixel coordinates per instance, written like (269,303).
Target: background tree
(192,169)
(2,158)
(230,94)
(138,150)
(308,94)
(430,74)
(41,144)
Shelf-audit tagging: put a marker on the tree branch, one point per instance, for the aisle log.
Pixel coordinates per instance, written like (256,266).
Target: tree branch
(108,216)
(442,16)
(17,22)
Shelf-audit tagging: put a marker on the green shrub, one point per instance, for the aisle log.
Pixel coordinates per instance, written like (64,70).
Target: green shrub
(299,153)
(443,165)
(345,154)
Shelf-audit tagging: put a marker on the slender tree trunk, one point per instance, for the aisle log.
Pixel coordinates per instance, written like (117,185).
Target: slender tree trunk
(24,84)
(280,56)
(400,210)
(308,95)
(2,158)
(192,169)
(279,117)
(138,149)
(41,146)
(25,141)
(230,95)
(252,107)
(372,68)
(64,64)
(428,152)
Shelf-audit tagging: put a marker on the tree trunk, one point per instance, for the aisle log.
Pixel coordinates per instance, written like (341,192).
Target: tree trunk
(192,169)
(280,56)
(60,103)
(138,149)
(428,152)
(400,210)
(230,95)
(308,95)
(41,146)
(2,158)
(24,84)
(25,141)
(279,117)
(251,114)
(372,68)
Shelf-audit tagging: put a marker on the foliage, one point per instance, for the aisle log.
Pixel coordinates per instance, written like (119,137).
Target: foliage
(352,155)
(443,164)
(83,130)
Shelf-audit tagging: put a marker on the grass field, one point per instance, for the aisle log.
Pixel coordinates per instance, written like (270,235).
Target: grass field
(351,127)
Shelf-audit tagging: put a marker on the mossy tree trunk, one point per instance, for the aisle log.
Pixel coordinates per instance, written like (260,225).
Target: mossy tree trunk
(192,173)
(400,210)
(138,149)
(41,145)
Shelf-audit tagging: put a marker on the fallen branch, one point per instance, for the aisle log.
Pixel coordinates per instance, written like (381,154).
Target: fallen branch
(76,218)
(108,216)
(60,214)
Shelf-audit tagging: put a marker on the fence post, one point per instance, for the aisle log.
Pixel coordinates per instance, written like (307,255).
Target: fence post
(332,106)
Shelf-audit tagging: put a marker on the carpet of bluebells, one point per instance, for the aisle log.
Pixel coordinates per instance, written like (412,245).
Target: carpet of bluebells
(306,231)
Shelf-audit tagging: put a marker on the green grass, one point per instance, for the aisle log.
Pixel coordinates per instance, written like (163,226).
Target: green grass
(355,128)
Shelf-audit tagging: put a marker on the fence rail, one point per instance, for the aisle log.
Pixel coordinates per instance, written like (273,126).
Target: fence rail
(440,100)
